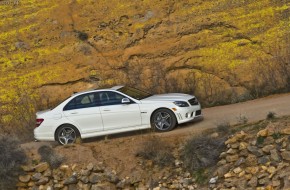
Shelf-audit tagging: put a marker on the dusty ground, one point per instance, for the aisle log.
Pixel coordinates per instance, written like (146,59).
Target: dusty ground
(119,151)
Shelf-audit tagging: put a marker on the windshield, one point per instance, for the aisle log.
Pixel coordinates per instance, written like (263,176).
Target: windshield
(134,93)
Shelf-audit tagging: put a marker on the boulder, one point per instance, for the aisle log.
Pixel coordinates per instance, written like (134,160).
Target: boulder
(264,181)
(232,158)
(241,184)
(276,183)
(286,155)
(221,171)
(237,170)
(274,155)
(244,153)
(36,176)
(21,184)
(243,145)
(253,182)
(90,166)
(71,180)
(84,179)
(263,133)
(271,170)
(285,131)
(96,178)
(213,180)
(240,161)
(269,140)
(232,151)
(41,167)
(64,168)
(252,170)
(235,145)
(58,186)
(268,148)
(24,178)
(42,181)
(47,173)
(263,160)
(85,172)
(255,150)
(28,168)
(229,175)
(251,160)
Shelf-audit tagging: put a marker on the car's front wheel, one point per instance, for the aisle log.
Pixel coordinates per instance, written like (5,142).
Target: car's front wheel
(163,120)
(67,134)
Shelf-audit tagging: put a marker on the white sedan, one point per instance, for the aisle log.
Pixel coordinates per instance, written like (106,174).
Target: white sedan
(115,110)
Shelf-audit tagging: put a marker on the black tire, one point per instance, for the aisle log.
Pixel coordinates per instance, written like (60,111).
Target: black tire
(67,134)
(163,120)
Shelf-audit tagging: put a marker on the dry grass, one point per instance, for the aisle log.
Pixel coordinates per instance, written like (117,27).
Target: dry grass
(202,152)
(156,150)
(11,157)
(48,155)
(223,127)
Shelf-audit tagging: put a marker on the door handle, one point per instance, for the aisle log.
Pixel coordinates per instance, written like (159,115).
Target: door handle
(106,110)
(74,113)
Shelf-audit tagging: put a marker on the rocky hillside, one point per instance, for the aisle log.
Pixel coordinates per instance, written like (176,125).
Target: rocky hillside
(256,158)
(259,161)
(223,51)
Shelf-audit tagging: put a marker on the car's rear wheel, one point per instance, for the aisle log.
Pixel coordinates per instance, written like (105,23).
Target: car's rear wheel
(163,120)
(67,134)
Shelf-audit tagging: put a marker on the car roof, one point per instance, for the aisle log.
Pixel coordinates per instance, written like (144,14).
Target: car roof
(94,90)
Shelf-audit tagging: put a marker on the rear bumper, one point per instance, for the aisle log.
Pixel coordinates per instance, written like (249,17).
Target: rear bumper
(39,135)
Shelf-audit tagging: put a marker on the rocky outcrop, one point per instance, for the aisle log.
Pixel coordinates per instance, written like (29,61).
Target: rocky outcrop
(99,177)
(260,161)
(92,176)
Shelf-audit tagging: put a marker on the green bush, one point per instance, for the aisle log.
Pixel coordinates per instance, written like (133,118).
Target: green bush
(48,155)
(223,127)
(202,152)
(11,158)
(242,119)
(271,115)
(156,150)
(200,176)
(276,135)
(260,140)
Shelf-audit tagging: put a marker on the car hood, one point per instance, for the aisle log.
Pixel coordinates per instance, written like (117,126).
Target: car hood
(168,97)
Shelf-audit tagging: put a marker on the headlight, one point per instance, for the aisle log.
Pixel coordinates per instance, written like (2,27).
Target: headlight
(181,104)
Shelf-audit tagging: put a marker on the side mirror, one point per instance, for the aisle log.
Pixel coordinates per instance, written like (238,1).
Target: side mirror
(126,101)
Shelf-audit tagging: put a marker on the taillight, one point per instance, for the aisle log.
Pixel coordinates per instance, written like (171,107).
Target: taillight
(38,122)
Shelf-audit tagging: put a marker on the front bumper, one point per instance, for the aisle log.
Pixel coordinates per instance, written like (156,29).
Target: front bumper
(188,114)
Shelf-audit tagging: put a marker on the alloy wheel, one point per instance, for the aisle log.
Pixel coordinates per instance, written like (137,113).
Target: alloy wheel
(67,135)
(162,121)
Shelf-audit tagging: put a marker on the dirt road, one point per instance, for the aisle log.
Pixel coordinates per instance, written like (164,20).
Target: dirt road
(253,110)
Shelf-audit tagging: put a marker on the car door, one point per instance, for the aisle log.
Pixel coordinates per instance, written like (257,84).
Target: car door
(84,112)
(116,115)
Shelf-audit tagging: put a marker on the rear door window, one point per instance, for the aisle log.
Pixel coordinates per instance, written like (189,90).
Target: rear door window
(83,101)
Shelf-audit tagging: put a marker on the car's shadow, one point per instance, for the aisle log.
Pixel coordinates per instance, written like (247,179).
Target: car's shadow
(138,132)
